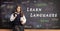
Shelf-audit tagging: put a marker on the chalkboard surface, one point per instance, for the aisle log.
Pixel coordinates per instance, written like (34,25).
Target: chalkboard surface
(39,13)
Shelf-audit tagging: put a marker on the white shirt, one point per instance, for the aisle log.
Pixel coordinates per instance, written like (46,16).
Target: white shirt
(23,19)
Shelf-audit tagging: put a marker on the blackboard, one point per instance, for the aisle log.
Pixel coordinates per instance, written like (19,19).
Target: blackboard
(39,13)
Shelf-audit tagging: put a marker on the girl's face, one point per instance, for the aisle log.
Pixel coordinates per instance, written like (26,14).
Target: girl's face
(18,9)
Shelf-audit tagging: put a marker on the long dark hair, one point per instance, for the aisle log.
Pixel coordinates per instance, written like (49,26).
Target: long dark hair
(21,12)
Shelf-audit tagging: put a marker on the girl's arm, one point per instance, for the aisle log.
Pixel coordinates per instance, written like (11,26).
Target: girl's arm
(23,19)
(12,17)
